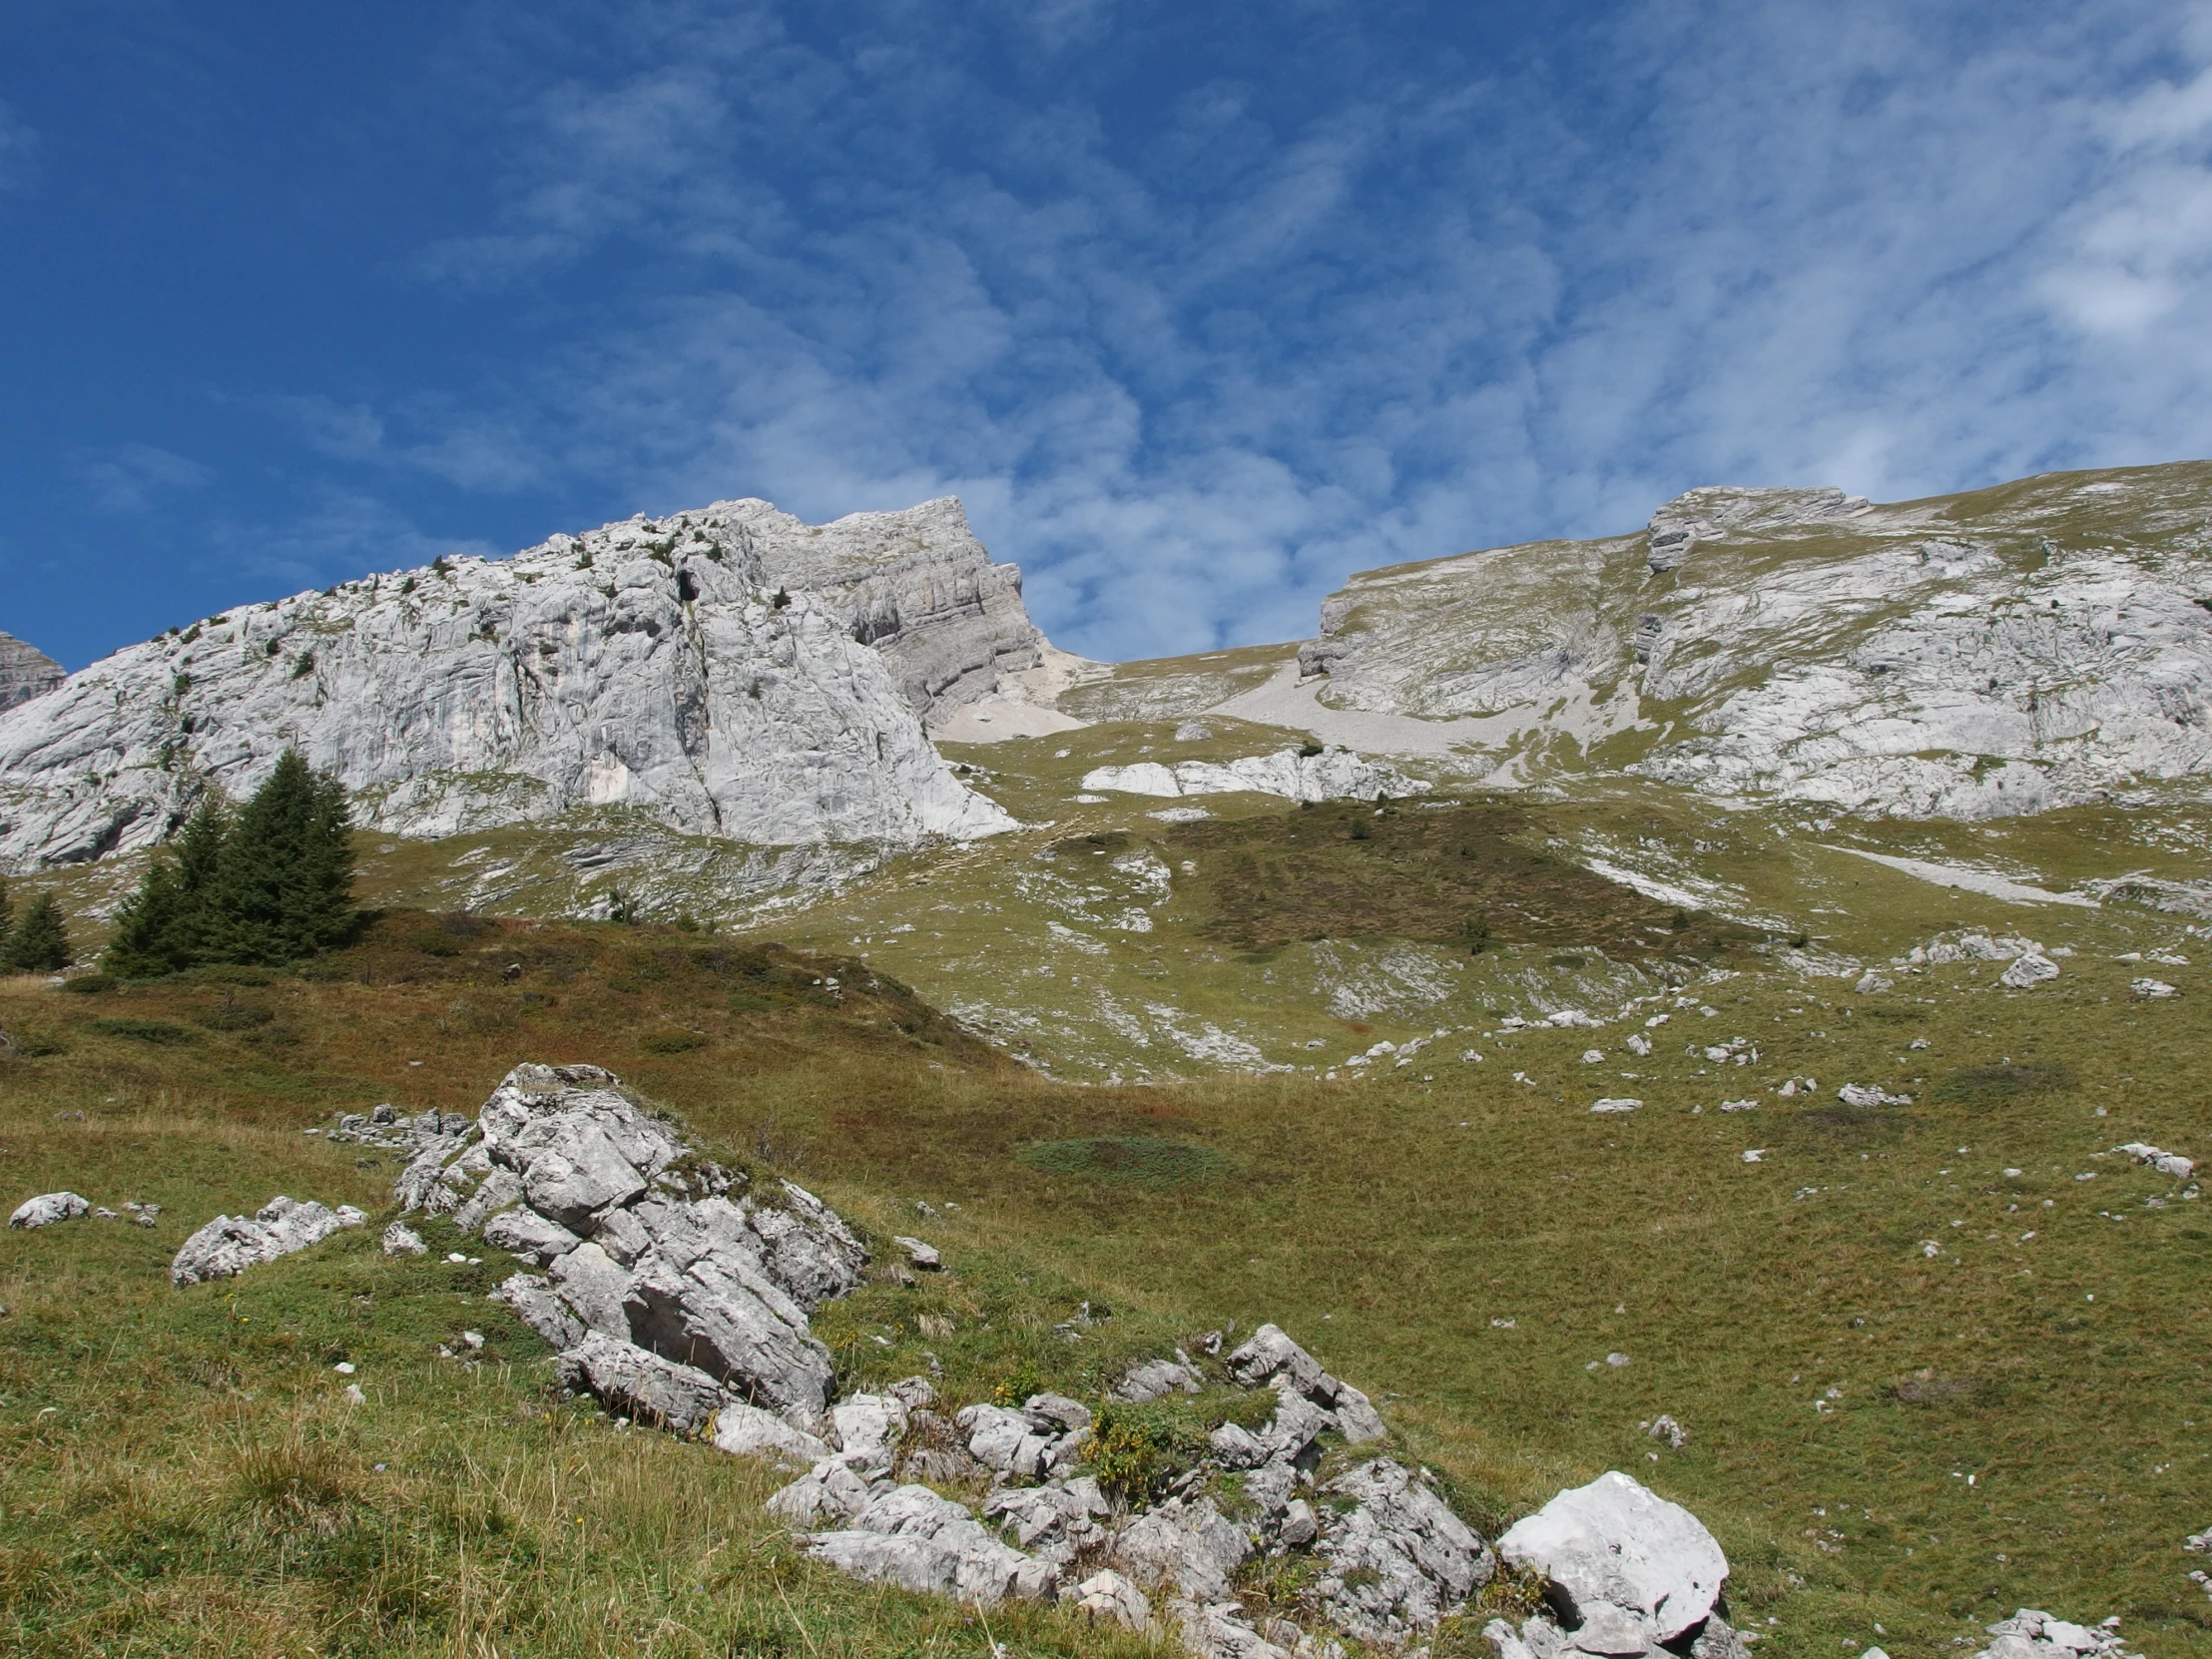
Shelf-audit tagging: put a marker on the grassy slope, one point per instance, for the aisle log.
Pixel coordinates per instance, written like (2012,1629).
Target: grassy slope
(181,1475)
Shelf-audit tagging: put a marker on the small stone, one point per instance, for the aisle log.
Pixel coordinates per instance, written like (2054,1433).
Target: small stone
(474,1338)
(344,1368)
(922,1256)
(353,1394)
(401,1240)
(2029,968)
(1624,1103)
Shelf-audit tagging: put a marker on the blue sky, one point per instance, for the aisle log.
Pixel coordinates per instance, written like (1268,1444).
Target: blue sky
(1198,307)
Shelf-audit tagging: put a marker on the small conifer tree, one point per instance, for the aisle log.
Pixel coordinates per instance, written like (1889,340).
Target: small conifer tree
(163,926)
(7,911)
(282,886)
(40,943)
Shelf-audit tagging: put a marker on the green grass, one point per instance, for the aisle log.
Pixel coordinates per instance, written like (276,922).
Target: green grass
(182,1476)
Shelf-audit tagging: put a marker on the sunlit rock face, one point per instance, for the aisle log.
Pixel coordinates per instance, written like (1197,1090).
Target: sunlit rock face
(657,666)
(2038,645)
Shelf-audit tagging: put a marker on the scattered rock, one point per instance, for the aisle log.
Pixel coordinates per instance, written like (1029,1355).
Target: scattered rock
(229,1245)
(1108,1599)
(748,1432)
(2166,1162)
(2029,968)
(2153,988)
(2033,1634)
(49,1208)
(1625,1103)
(922,1256)
(401,1240)
(1665,1428)
(1870,1094)
(1151,1379)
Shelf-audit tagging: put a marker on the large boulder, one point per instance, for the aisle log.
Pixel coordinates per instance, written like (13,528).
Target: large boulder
(1616,1544)
(229,1245)
(49,1208)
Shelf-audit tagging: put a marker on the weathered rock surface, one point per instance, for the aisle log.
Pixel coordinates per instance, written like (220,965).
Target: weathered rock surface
(229,1245)
(916,585)
(1616,1544)
(1336,774)
(2030,645)
(673,1291)
(648,666)
(25,671)
(49,1208)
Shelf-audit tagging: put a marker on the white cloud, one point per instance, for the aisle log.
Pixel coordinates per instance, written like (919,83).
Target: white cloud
(1192,379)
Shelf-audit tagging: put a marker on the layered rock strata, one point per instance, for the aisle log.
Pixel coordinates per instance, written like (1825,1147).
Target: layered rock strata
(916,585)
(25,671)
(654,666)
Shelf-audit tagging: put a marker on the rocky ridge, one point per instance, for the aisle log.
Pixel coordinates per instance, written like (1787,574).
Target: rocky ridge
(654,667)
(2032,646)
(677,1293)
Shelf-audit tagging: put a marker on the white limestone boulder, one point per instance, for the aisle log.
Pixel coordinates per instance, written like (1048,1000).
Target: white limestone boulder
(1616,1543)
(48,1209)
(229,1245)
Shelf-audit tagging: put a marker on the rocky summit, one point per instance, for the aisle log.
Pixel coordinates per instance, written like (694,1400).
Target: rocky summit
(679,669)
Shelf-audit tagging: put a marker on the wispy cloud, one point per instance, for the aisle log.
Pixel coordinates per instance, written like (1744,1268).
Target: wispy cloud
(1193,364)
(132,477)
(19,147)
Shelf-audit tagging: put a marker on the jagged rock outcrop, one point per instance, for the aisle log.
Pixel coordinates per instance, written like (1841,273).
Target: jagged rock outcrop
(916,585)
(25,671)
(671,1288)
(229,1245)
(655,666)
(2038,645)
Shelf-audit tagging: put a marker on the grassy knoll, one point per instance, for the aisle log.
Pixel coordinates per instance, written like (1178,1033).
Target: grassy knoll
(184,1476)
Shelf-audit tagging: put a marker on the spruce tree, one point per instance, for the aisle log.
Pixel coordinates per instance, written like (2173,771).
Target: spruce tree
(284,881)
(7,912)
(164,927)
(40,943)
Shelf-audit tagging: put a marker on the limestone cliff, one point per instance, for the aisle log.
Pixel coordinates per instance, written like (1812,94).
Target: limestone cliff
(657,666)
(916,585)
(25,671)
(2037,645)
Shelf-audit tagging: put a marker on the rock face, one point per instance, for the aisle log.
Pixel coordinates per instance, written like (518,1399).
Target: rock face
(2031,646)
(916,585)
(229,1245)
(670,1290)
(25,671)
(658,666)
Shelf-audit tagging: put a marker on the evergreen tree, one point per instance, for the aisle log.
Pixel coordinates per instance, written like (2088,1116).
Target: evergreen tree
(282,884)
(7,912)
(40,943)
(163,926)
